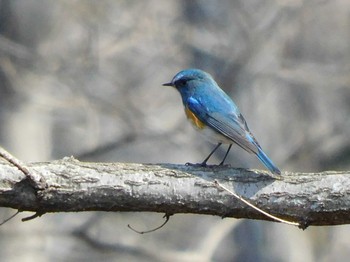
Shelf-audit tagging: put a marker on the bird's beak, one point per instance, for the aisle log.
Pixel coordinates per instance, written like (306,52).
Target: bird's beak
(168,84)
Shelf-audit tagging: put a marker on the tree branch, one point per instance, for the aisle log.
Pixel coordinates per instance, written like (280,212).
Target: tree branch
(309,198)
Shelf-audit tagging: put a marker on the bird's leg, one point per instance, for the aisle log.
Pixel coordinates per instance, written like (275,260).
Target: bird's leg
(228,150)
(204,163)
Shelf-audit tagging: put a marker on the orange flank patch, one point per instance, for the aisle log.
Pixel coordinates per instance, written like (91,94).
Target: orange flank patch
(199,124)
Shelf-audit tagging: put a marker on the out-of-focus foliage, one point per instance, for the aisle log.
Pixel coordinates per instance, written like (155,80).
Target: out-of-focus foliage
(84,78)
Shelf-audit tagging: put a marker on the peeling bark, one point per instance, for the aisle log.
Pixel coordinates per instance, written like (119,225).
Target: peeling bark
(72,186)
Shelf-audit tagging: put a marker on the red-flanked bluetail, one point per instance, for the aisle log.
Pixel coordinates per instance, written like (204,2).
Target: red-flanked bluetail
(215,115)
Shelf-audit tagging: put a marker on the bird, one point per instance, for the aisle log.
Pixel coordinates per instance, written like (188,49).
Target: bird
(215,115)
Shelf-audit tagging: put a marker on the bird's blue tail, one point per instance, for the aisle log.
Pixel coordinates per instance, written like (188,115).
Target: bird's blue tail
(267,162)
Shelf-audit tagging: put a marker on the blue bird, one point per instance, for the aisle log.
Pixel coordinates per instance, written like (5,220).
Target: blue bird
(215,115)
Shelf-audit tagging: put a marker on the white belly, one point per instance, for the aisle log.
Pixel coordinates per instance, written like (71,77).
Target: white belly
(213,136)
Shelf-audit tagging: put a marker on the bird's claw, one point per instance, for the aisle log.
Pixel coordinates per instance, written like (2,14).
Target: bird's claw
(196,164)
(206,165)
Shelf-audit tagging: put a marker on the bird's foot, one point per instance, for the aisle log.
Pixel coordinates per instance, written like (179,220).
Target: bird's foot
(224,165)
(206,165)
(196,164)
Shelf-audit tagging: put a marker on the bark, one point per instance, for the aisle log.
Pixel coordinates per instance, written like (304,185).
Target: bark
(308,198)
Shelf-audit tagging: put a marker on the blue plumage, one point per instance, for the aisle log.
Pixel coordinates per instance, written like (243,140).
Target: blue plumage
(267,162)
(207,105)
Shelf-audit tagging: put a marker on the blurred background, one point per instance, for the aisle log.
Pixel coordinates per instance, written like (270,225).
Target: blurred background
(83,78)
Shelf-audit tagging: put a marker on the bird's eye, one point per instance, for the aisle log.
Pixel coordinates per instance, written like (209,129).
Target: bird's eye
(181,82)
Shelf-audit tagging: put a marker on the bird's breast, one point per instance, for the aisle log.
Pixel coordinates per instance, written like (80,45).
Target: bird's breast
(207,132)
(194,119)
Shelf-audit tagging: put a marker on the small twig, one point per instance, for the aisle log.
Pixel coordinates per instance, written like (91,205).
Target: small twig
(35,180)
(37,214)
(9,218)
(14,161)
(256,208)
(166,216)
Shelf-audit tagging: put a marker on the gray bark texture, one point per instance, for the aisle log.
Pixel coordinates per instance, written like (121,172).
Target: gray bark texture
(72,186)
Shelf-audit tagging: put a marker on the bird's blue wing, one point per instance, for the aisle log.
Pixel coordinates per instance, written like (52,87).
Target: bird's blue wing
(228,124)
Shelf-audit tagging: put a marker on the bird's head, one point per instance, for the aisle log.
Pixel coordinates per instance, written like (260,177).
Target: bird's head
(189,79)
